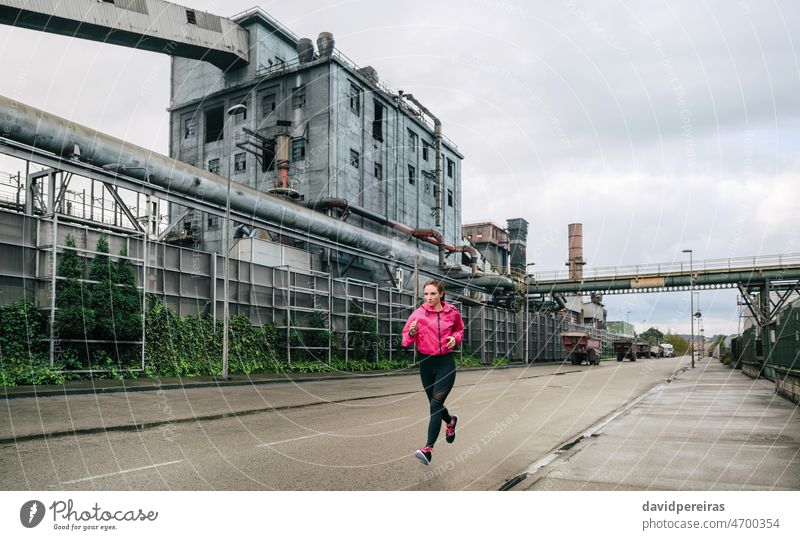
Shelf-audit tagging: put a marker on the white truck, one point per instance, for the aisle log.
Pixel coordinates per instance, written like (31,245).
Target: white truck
(669,350)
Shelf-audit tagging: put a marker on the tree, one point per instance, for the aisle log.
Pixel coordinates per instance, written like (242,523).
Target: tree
(127,301)
(75,317)
(652,335)
(104,272)
(681,345)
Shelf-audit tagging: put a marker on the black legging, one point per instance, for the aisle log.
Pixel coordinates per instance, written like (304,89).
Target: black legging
(438,375)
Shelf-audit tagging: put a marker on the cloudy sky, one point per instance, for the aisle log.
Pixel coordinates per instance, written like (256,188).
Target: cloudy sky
(660,126)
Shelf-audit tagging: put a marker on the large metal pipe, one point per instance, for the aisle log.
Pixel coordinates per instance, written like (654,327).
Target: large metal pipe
(431,236)
(31,126)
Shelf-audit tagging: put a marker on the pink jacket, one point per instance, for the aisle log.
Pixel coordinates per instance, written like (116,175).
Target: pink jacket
(433,329)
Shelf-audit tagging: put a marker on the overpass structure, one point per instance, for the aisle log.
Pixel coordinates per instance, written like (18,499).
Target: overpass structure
(150,25)
(766,283)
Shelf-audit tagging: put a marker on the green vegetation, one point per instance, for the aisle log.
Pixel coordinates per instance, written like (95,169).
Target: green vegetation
(652,335)
(681,345)
(23,353)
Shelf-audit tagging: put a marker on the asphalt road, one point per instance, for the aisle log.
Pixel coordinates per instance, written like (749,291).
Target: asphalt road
(508,419)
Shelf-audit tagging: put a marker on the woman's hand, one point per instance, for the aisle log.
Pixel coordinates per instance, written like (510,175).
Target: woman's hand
(412,330)
(451,343)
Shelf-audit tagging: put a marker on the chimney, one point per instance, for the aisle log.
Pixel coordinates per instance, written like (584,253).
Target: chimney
(575,246)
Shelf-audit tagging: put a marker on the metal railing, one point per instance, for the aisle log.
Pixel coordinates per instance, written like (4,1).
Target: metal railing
(790,260)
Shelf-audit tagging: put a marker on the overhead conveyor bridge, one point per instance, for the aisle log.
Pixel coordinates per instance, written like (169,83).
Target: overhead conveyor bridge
(150,25)
(741,272)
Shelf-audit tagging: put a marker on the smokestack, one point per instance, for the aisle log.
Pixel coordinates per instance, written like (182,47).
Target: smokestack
(575,246)
(518,239)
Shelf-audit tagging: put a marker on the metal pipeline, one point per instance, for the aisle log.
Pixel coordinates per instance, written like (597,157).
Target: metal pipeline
(45,131)
(431,236)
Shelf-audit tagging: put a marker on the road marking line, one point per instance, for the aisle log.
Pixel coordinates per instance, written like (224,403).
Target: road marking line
(122,472)
(290,440)
(389,420)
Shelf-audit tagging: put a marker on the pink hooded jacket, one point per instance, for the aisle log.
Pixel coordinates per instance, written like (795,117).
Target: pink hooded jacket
(433,329)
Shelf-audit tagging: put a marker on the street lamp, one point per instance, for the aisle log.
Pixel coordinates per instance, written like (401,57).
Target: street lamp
(239,108)
(527,314)
(691,297)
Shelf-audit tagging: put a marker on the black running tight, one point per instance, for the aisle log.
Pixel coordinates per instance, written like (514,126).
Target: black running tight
(438,375)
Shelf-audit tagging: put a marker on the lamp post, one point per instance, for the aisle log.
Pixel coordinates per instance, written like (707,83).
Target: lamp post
(239,108)
(691,298)
(527,315)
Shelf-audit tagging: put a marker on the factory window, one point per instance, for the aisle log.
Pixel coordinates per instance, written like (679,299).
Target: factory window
(354,158)
(298,97)
(377,122)
(413,138)
(355,99)
(450,197)
(268,154)
(425,148)
(191,17)
(427,185)
(412,175)
(240,115)
(189,128)
(451,167)
(378,171)
(213,222)
(268,103)
(298,149)
(239,162)
(215,122)
(213,166)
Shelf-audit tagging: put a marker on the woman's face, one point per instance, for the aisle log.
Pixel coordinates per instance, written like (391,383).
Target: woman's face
(432,296)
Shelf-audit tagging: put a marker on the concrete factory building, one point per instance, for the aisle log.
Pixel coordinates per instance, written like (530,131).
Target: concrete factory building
(309,125)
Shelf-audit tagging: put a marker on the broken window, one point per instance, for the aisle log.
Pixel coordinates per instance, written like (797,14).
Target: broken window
(354,158)
(299,97)
(213,166)
(449,197)
(268,103)
(355,99)
(377,122)
(191,16)
(425,148)
(451,167)
(412,175)
(213,222)
(378,171)
(239,162)
(215,123)
(412,141)
(190,128)
(298,149)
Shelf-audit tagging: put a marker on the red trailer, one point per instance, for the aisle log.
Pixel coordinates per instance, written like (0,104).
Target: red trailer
(580,347)
(624,348)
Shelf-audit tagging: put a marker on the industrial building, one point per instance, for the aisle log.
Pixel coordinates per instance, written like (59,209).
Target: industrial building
(343,194)
(309,125)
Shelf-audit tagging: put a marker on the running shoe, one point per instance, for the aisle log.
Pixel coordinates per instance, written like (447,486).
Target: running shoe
(450,430)
(424,455)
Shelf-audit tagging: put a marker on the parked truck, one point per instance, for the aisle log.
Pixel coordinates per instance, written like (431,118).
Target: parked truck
(581,347)
(624,348)
(669,350)
(642,350)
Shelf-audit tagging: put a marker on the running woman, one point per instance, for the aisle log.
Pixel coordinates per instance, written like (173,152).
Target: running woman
(436,328)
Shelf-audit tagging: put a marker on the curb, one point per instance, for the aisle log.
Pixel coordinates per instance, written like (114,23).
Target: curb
(139,387)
